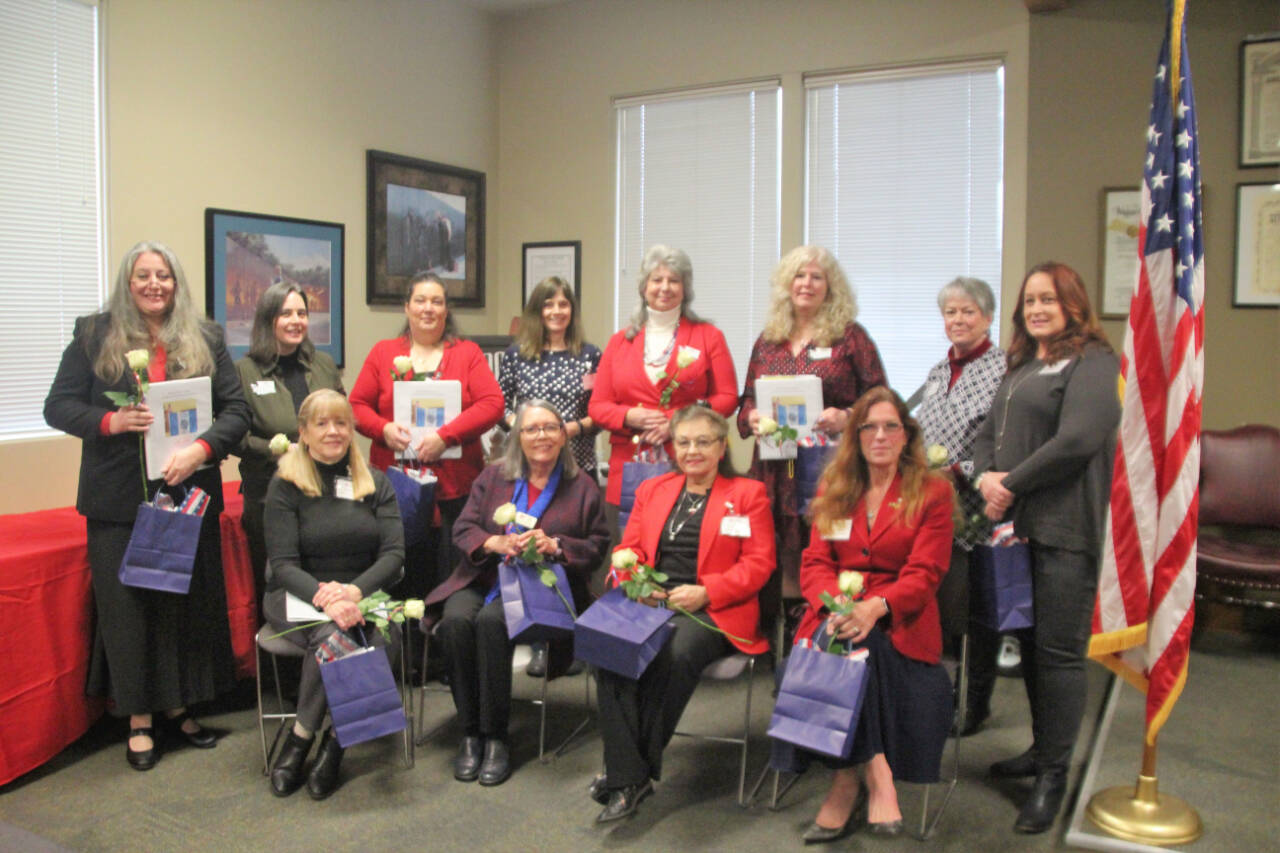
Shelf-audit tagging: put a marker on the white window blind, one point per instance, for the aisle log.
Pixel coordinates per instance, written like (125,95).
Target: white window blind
(904,182)
(50,197)
(699,170)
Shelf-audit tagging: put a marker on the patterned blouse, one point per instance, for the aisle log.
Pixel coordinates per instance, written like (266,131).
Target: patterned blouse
(562,379)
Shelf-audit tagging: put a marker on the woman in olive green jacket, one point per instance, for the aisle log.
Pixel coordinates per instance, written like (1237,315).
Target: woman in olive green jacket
(281,369)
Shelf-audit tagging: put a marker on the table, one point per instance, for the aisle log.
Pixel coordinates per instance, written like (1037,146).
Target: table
(46,628)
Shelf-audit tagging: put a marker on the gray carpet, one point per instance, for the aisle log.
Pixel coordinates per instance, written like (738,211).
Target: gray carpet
(1220,750)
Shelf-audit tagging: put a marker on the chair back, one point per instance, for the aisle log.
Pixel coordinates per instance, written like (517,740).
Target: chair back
(1240,476)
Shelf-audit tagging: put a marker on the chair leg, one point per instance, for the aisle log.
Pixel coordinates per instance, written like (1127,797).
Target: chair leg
(406,697)
(262,723)
(927,825)
(577,730)
(746,734)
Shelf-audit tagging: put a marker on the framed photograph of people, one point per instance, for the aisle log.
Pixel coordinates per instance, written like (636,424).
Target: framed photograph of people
(1121,207)
(1260,102)
(245,253)
(559,258)
(1257,246)
(424,217)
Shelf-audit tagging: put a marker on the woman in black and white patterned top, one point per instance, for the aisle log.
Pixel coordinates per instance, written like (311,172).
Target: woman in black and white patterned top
(550,361)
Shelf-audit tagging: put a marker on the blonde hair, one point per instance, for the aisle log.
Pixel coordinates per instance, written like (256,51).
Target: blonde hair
(187,351)
(838,310)
(298,467)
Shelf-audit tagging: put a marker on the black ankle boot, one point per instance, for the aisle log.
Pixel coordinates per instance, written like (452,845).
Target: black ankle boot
(323,780)
(1041,808)
(286,774)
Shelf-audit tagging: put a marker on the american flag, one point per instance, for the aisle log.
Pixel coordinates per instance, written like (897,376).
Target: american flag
(1145,608)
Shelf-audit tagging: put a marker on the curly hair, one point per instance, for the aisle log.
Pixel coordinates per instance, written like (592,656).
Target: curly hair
(1082,326)
(838,310)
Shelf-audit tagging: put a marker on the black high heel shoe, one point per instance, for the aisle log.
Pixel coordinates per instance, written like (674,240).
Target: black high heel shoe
(818,834)
(201,738)
(142,759)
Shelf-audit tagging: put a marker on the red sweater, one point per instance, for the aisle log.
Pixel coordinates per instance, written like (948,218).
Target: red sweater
(621,384)
(371,399)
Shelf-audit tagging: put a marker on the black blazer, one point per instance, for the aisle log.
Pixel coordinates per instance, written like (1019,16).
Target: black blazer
(110,477)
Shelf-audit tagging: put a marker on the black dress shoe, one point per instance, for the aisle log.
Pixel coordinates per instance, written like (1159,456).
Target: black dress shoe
(886,829)
(201,738)
(1015,768)
(1041,808)
(286,773)
(598,790)
(496,767)
(466,764)
(323,779)
(973,721)
(819,834)
(537,667)
(623,802)
(142,759)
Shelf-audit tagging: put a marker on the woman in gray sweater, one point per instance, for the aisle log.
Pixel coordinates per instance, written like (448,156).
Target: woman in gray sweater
(1046,452)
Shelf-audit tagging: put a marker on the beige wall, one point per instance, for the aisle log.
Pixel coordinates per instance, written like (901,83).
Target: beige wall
(268,107)
(1091,70)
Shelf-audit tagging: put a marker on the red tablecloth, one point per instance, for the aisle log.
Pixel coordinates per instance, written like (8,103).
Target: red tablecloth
(46,623)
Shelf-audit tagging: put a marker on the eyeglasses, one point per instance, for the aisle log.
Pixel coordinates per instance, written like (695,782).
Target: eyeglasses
(889,427)
(541,429)
(701,443)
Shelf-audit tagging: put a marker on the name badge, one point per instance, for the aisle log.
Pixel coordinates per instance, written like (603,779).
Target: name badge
(840,531)
(263,387)
(738,526)
(528,522)
(819,353)
(933,388)
(342,488)
(1056,367)
(588,381)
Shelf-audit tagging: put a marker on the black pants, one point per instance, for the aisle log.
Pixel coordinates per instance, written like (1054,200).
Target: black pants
(430,562)
(478,655)
(638,718)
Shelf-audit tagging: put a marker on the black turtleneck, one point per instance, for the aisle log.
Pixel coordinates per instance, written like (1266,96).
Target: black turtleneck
(293,373)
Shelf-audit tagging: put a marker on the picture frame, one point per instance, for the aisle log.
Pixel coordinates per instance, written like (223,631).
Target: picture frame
(560,257)
(424,216)
(1260,102)
(1257,262)
(1118,250)
(245,253)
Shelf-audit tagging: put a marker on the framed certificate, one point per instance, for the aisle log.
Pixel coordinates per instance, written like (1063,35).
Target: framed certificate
(1257,246)
(1118,248)
(542,260)
(1260,102)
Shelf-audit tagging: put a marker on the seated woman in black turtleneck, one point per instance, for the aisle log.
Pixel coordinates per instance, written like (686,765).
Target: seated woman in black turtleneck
(333,536)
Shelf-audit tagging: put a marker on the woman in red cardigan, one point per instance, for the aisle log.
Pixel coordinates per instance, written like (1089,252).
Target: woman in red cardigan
(665,359)
(430,341)
(883,513)
(711,533)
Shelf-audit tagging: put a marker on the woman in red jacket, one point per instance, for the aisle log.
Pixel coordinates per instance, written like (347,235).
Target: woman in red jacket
(883,513)
(711,533)
(665,359)
(430,341)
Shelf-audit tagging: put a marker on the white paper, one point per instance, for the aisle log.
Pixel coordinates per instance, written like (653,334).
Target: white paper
(794,401)
(183,410)
(426,405)
(297,610)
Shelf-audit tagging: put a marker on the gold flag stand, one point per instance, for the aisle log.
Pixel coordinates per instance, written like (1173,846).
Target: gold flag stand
(1142,814)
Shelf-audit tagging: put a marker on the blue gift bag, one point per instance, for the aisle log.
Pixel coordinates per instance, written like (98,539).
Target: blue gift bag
(633,474)
(416,500)
(621,635)
(809,465)
(533,611)
(819,701)
(1001,586)
(162,550)
(362,695)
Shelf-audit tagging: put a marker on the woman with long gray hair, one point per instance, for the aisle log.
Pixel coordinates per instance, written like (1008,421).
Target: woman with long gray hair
(152,651)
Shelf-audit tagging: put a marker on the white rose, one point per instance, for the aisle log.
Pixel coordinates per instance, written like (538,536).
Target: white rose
(505,514)
(767,426)
(138,359)
(414,608)
(937,455)
(686,357)
(279,444)
(624,558)
(850,583)
(403,364)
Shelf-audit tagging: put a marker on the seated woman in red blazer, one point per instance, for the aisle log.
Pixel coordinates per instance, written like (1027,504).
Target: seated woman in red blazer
(666,358)
(883,513)
(711,533)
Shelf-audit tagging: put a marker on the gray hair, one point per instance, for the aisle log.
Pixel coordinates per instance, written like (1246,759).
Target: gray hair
(975,289)
(678,262)
(263,347)
(719,425)
(513,461)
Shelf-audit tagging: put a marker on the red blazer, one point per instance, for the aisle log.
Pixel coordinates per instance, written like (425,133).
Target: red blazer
(622,384)
(902,564)
(732,569)
(371,399)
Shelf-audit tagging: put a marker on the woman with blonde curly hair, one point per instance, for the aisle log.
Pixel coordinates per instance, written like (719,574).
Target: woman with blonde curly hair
(811,329)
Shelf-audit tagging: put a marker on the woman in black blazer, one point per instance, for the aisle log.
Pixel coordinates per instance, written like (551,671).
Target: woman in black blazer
(152,651)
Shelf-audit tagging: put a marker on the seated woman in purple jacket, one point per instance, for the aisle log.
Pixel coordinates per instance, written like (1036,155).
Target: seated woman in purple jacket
(566,521)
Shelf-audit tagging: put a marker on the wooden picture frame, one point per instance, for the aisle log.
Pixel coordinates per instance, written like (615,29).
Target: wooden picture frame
(1118,250)
(1257,256)
(562,258)
(1260,102)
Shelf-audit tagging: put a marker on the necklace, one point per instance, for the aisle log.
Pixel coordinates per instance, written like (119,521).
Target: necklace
(661,359)
(686,508)
(1013,386)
